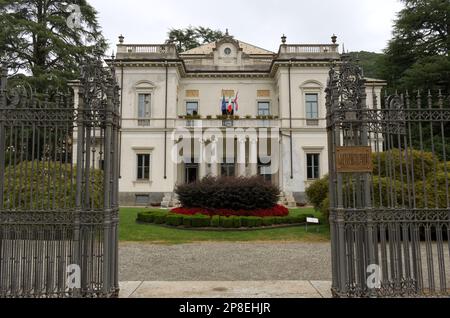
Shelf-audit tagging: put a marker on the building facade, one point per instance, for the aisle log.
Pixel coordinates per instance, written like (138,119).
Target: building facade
(224,108)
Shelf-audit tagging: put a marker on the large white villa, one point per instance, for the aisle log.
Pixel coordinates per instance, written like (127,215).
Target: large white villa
(173,124)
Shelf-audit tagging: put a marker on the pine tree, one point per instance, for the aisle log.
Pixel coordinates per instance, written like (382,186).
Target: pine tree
(418,54)
(48,40)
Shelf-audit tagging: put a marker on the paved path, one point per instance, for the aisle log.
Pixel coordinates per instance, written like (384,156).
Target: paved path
(235,289)
(278,261)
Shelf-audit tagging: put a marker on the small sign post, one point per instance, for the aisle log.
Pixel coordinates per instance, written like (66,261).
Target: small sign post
(312,221)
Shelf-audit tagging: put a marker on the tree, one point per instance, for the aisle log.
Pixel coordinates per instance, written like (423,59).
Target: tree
(48,39)
(192,37)
(370,62)
(418,54)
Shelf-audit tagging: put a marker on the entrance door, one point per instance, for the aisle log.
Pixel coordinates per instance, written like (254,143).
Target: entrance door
(191,173)
(228,170)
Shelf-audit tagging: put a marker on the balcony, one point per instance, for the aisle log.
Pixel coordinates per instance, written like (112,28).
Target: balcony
(232,122)
(309,51)
(146,51)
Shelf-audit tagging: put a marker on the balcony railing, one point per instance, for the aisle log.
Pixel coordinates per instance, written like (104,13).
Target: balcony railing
(310,50)
(146,51)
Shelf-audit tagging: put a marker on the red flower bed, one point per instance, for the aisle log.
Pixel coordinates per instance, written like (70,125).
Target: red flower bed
(277,210)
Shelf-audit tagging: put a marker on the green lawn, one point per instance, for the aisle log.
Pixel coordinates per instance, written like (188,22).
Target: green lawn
(129,230)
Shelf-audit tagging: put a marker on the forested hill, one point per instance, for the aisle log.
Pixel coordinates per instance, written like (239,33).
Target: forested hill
(370,62)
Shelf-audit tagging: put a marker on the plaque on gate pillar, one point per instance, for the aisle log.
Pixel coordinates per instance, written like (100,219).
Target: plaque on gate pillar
(354,159)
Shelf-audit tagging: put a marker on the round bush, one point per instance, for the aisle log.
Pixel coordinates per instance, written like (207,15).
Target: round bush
(229,193)
(318,191)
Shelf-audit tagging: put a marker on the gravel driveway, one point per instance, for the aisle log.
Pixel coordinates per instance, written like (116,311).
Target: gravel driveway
(225,261)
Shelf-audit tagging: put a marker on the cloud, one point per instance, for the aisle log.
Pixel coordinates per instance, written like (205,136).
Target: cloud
(360,24)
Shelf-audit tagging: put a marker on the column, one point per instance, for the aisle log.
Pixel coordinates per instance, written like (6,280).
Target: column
(241,157)
(253,157)
(202,159)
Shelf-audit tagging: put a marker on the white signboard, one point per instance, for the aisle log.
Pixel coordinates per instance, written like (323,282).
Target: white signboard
(312,220)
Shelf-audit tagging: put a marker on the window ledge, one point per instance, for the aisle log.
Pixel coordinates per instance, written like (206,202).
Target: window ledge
(312,122)
(137,182)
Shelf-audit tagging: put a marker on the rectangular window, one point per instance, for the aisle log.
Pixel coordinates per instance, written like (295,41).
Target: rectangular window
(312,106)
(263,108)
(144,103)
(265,170)
(143,167)
(312,163)
(191,108)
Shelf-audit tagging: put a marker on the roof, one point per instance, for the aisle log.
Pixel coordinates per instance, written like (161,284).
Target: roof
(375,80)
(246,48)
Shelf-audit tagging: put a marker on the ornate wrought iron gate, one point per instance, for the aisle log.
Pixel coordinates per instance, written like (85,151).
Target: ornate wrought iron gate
(59,188)
(389,189)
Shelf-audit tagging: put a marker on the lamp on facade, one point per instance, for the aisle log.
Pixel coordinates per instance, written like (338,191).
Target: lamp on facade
(121,39)
(283,39)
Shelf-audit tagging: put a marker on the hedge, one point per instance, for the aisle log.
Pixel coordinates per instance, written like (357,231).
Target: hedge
(174,220)
(388,190)
(202,221)
(215,221)
(229,193)
(48,185)
(226,222)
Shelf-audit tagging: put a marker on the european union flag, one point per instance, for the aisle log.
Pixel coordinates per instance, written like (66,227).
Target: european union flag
(224,106)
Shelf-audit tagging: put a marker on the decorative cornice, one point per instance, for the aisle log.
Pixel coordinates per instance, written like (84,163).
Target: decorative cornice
(180,65)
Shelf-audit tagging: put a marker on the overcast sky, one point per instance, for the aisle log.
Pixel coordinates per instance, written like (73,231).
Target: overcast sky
(359,24)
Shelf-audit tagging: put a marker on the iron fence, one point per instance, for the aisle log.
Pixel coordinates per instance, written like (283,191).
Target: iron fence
(59,188)
(390,220)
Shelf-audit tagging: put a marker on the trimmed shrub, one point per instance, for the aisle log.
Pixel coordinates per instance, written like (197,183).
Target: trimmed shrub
(160,217)
(325,210)
(251,221)
(146,217)
(237,223)
(187,221)
(55,183)
(393,159)
(279,220)
(226,222)
(229,193)
(174,219)
(268,221)
(318,191)
(298,219)
(200,220)
(215,221)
